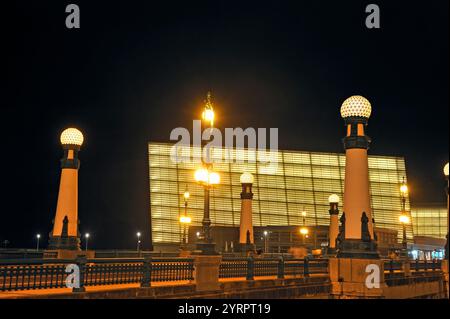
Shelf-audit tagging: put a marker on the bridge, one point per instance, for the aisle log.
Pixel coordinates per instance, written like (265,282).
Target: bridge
(230,277)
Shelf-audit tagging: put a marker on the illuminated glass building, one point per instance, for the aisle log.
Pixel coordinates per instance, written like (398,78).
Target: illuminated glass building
(301,181)
(429,220)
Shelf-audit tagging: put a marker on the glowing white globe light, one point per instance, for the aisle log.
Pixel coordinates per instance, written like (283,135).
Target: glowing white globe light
(334,199)
(446,170)
(201,175)
(247,178)
(356,106)
(72,136)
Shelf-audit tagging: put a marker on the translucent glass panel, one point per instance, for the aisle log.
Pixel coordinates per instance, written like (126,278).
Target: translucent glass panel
(301,181)
(430,221)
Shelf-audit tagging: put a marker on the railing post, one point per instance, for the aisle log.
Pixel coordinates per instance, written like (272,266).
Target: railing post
(146,272)
(250,268)
(425,265)
(80,261)
(306,267)
(417,264)
(391,265)
(281,268)
(433,265)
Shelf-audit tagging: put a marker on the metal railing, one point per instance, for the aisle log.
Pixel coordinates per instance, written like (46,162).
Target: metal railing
(392,266)
(251,267)
(47,274)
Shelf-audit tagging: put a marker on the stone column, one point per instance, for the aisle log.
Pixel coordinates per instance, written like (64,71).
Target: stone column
(206,272)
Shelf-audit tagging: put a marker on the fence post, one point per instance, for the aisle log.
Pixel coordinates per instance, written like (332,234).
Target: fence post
(81,261)
(250,268)
(146,272)
(281,268)
(306,267)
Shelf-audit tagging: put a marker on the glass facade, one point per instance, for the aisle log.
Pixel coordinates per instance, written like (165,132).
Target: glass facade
(430,221)
(300,181)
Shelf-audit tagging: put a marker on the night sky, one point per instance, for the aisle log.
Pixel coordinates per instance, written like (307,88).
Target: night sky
(137,69)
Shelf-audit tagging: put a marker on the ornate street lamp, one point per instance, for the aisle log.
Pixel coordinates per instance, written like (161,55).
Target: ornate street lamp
(404,219)
(138,245)
(208,179)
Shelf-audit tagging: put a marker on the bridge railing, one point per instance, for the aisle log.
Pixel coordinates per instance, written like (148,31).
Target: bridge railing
(249,268)
(48,274)
(392,266)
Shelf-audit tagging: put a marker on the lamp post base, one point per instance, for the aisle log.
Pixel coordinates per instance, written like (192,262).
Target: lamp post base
(208,249)
(357,248)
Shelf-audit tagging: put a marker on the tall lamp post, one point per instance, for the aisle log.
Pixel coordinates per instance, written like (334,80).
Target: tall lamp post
(404,219)
(185,220)
(446,171)
(206,177)
(138,244)
(38,237)
(86,236)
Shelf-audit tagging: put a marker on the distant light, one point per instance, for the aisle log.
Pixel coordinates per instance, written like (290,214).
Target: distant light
(72,136)
(304,231)
(304,213)
(198,234)
(266,233)
(333,199)
(38,236)
(446,170)
(87,235)
(208,116)
(404,219)
(247,178)
(186,195)
(356,106)
(138,234)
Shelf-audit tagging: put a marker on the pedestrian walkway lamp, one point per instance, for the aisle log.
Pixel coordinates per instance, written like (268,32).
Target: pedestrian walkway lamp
(38,237)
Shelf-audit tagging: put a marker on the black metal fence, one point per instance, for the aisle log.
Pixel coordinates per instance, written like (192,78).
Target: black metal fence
(47,274)
(392,266)
(255,267)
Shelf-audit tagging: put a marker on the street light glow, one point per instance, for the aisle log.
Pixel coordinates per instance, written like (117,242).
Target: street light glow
(38,236)
(203,176)
(87,235)
(404,219)
(185,220)
(304,231)
(138,234)
(186,195)
(446,170)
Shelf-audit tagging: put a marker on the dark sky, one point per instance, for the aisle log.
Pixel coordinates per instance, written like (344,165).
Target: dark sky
(137,69)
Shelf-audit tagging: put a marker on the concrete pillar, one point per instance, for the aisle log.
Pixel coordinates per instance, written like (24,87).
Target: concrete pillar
(354,278)
(206,272)
(358,237)
(246,235)
(65,235)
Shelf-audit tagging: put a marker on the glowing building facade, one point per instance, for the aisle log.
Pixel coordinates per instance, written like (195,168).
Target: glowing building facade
(301,181)
(430,220)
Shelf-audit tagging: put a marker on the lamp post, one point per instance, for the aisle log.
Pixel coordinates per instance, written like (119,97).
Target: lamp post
(304,232)
(138,245)
(86,236)
(404,219)
(446,171)
(206,177)
(266,238)
(38,237)
(184,220)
